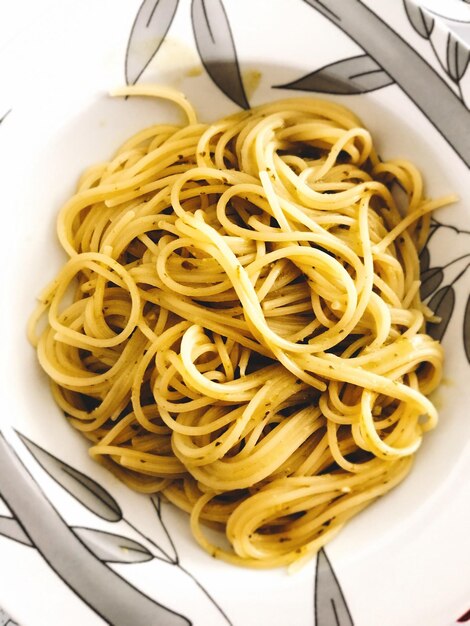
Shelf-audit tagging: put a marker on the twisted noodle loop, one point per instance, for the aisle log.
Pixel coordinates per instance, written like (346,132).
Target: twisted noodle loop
(245,332)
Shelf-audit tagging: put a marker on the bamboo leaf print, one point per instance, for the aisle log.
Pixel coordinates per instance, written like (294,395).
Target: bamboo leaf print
(86,490)
(148,31)
(107,547)
(466,330)
(457,57)
(112,597)
(112,548)
(422,22)
(442,304)
(9,527)
(359,74)
(330,604)
(424,260)
(216,48)
(402,63)
(430,281)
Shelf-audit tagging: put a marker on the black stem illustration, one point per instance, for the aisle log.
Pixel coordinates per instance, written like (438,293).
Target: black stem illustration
(113,598)
(436,54)
(460,274)
(435,225)
(167,558)
(156,502)
(429,91)
(176,561)
(206,593)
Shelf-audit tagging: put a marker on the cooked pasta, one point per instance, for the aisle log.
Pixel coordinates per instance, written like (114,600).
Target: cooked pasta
(238,326)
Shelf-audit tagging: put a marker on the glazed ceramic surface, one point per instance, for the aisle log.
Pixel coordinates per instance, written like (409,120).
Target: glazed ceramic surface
(76,546)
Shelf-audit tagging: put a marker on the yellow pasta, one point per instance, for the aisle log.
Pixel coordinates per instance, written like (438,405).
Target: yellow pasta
(238,325)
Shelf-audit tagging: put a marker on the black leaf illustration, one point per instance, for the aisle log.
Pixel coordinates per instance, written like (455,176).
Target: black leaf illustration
(466,330)
(9,527)
(170,551)
(442,304)
(84,489)
(112,548)
(430,281)
(457,56)
(330,605)
(421,21)
(105,546)
(216,48)
(424,260)
(150,26)
(359,74)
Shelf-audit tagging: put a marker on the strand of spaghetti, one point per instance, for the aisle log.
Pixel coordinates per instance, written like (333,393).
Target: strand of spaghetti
(406,222)
(93,261)
(158,91)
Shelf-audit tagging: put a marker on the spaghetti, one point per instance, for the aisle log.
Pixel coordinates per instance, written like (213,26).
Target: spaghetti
(238,325)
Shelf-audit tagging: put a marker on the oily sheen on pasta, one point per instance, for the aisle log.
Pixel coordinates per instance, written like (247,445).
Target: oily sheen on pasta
(238,325)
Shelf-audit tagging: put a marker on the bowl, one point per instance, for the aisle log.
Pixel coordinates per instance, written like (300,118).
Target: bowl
(84,547)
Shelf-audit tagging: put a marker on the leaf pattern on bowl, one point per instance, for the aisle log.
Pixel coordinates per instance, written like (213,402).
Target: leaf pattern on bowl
(216,48)
(374,69)
(110,595)
(424,259)
(10,528)
(457,56)
(83,488)
(213,37)
(430,281)
(438,282)
(359,74)
(112,548)
(107,547)
(444,108)
(36,523)
(148,31)
(442,304)
(330,605)
(419,18)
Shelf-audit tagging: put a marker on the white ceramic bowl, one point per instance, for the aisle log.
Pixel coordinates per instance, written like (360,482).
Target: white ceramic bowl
(77,547)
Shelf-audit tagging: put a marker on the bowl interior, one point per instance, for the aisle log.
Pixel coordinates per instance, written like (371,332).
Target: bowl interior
(69,141)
